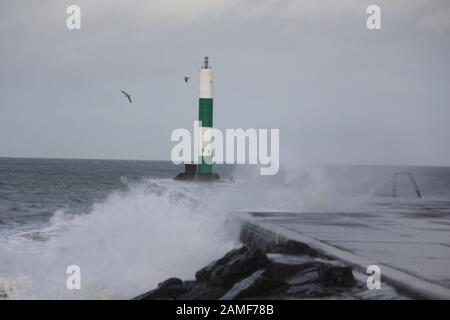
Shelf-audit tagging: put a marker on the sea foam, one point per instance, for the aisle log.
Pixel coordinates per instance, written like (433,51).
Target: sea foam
(124,245)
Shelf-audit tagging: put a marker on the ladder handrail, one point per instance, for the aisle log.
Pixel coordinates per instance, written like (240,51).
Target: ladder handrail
(411,178)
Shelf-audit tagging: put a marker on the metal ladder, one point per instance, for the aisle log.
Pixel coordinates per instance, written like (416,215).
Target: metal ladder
(411,178)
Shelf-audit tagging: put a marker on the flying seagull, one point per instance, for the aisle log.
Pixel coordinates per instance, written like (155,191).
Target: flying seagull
(186,79)
(128,96)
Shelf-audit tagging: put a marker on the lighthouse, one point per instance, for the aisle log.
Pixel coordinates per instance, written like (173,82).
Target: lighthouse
(203,170)
(205,116)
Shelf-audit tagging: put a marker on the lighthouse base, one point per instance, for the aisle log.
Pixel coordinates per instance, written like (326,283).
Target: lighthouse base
(190,174)
(209,176)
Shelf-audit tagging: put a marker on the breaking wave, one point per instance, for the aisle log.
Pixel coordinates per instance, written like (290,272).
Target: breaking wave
(124,245)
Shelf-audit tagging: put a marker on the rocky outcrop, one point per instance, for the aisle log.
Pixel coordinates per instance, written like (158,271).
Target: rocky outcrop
(291,270)
(233,267)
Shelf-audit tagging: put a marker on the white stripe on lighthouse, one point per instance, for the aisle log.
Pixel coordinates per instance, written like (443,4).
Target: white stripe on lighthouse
(206,83)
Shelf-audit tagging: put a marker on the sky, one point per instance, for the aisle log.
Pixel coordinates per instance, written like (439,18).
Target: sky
(338,92)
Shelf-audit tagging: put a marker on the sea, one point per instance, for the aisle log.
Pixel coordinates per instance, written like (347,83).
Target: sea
(127,225)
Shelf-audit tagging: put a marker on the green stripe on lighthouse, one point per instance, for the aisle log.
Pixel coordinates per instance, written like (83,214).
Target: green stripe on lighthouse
(206,117)
(205,114)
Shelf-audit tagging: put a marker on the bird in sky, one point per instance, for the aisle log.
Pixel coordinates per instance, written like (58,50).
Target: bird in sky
(128,96)
(186,79)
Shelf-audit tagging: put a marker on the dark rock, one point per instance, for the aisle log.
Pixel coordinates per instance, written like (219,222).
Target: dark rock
(169,283)
(310,290)
(282,266)
(169,289)
(285,273)
(300,268)
(303,277)
(336,274)
(204,274)
(233,267)
(253,285)
(202,291)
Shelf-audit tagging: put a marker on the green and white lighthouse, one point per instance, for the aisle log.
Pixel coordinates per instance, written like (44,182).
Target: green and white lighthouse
(205,116)
(202,168)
